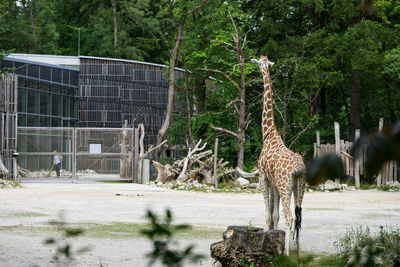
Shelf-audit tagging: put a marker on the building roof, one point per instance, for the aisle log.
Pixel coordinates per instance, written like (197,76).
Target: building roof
(72,61)
(42,63)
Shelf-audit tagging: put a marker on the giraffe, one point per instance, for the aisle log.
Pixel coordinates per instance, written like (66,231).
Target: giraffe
(281,170)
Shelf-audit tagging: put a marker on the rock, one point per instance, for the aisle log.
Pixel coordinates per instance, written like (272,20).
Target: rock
(242,183)
(331,185)
(394,184)
(344,186)
(243,245)
(254,185)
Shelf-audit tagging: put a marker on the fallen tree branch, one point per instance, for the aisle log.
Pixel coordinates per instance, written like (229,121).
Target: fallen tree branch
(182,176)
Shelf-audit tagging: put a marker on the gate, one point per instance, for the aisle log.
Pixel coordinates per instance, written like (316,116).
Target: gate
(8,122)
(111,151)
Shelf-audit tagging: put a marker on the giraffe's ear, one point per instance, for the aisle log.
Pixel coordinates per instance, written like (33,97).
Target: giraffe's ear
(270,63)
(255,61)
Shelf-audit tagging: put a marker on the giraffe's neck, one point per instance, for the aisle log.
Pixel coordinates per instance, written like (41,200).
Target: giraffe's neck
(268,122)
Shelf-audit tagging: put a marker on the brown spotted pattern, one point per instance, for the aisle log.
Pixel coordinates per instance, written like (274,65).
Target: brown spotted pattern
(280,168)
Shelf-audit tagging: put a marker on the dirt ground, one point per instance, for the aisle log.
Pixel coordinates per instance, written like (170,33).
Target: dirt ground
(25,213)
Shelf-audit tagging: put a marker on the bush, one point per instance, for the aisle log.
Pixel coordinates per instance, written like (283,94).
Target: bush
(359,248)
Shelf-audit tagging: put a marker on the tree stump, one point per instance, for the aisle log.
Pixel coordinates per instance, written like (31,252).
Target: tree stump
(248,245)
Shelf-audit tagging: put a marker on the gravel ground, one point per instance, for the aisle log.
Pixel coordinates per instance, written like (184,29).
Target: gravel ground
(25,211)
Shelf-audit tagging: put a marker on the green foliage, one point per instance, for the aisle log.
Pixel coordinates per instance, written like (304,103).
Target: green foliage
(64,252)
(161,232)
(317,46)
(359,248)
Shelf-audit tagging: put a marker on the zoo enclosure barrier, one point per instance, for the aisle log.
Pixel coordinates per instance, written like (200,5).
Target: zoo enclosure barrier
(103,150)
(354,168)
(8,122)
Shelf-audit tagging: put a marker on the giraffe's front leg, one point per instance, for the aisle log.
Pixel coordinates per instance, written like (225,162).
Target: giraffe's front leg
(264,185)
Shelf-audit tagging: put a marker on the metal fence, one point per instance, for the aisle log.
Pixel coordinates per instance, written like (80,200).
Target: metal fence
(8,121)
(100,150)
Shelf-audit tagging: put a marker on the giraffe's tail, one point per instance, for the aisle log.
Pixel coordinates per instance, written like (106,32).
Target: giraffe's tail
(297,224)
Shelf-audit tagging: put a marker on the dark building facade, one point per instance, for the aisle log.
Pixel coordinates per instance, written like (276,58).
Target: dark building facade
(47,94)
(67,91)
(115,90)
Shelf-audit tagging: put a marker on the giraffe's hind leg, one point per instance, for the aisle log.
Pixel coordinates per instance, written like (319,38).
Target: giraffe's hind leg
(299,185)
(275,213)
(264,185)
(286,193)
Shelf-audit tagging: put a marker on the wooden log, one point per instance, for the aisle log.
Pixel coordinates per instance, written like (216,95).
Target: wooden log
(215,163)
(357,163)
(243,245)
(337,143)
(390,177)
(183,176)
(379,178)
(318,152)
(337,138)
(315,151)
(347,158)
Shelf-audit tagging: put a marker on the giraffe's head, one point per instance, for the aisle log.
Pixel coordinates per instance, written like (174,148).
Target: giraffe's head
(263,63)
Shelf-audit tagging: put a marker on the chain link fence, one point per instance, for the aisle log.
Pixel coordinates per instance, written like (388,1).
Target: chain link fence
(83,150)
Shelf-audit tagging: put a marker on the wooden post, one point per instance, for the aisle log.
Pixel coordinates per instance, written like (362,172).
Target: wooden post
(215,163)
(123,172)
(357,163)
(74,154)
(379,178)
(317,151)
(135,156)
(337,142)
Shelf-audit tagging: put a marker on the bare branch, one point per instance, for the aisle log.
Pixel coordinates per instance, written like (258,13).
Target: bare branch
(229,78)
(195,8)
(234,134)
(151,148)
(302,132)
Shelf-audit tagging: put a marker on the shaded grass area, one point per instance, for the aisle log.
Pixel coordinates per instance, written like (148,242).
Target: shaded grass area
(114,230)
(29,214)
(307,259)
(223,187)
(114,181)
(321,209)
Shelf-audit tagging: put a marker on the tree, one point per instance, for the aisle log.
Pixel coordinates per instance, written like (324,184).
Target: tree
(234,42)
(185,11)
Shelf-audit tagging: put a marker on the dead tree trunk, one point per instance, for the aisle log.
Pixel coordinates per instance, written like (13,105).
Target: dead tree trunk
(114,8)
(171,88)
(236,46)
(143,153)
(33,28)
(123,160)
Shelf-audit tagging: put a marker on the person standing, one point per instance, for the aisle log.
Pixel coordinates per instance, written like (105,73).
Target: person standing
(57,162)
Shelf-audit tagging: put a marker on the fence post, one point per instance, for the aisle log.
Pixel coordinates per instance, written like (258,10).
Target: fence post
(379,178)
(357,163)
(337,143)
(73,154)
(135,155)
(317,151)
(215,163)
